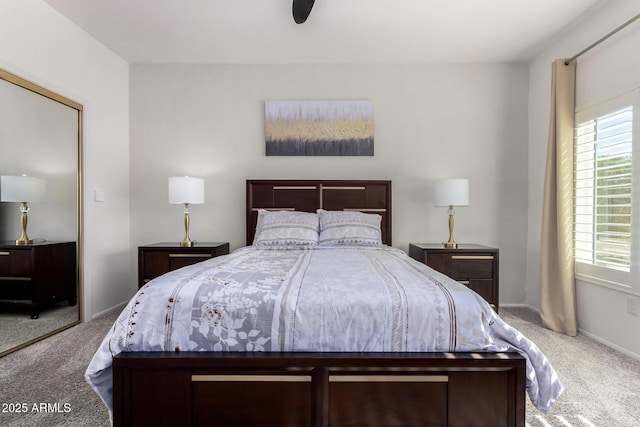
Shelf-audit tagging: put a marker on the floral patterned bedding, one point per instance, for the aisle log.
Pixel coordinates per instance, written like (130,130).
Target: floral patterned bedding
(372,298)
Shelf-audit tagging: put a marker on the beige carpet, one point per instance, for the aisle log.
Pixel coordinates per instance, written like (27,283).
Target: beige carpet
(602,386)
(48,377)
(17,326)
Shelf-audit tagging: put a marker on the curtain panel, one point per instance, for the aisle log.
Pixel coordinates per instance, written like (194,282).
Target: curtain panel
(557,278)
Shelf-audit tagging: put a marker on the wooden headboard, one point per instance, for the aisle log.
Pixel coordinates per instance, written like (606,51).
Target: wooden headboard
(308,195)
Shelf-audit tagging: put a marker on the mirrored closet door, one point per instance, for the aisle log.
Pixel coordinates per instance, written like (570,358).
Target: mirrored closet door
(40,212)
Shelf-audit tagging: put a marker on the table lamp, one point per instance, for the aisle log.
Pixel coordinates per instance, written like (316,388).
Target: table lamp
(451,192)
(186,190)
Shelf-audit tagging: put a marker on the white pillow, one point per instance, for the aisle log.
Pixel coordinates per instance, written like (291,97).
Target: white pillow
(349,228)
(277,228)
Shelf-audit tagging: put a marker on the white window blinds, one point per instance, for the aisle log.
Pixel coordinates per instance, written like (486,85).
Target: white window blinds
(604,202)
(603,155)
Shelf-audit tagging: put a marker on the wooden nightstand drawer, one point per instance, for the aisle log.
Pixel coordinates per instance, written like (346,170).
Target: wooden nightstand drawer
(475,266)
(15,262)
(179,260)
(16,289)
(159,258)
(153,263)
(472,266)
(482,287)
(156,263)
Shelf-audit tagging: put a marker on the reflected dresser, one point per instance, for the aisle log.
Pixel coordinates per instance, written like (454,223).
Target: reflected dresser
(38,275)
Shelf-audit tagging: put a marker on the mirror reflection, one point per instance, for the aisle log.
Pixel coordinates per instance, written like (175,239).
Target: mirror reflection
(39,212)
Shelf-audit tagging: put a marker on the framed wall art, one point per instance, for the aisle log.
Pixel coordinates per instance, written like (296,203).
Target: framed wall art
(319,128)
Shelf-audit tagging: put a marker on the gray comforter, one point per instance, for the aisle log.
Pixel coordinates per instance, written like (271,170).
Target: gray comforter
(324,299)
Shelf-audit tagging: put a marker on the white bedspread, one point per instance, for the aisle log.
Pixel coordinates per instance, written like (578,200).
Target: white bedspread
(325,299)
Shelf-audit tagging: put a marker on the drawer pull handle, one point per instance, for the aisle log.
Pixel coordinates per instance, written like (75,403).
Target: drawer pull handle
(464,282)
(472,257)
(252,378)
(5,253)
(389,378)
(189,255)
(16,279)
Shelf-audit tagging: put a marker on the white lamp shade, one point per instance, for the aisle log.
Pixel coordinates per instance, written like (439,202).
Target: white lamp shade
(186,189)
(21,188)
(451,192)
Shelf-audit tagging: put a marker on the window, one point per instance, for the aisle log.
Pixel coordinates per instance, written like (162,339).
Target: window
(606,210)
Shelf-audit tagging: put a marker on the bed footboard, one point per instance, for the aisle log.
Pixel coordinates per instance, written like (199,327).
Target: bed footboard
(319,389)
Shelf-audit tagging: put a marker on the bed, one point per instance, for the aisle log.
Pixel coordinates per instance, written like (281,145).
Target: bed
(343,330)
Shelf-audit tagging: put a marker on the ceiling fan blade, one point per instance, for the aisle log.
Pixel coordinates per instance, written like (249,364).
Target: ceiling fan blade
(301,10)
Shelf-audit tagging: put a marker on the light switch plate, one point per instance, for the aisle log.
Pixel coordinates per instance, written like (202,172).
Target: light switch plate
(98,194)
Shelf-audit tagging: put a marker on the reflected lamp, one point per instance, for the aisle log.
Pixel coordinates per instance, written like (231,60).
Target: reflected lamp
(22,189)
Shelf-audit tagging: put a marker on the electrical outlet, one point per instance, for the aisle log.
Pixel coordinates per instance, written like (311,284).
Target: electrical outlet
(633,305)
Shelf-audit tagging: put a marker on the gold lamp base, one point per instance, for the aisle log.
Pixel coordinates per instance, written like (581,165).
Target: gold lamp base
(451,244)
(24,239)
(186,242)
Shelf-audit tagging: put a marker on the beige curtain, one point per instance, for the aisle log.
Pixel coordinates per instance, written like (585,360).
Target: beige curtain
(557,285)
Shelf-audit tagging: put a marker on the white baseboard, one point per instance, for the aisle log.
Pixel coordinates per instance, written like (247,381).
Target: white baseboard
(594,337)
(610,344)
(519,306)
(115,307)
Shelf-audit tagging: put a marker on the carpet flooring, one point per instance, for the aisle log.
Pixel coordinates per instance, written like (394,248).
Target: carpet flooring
(17,326)
(46,379)
(602,386)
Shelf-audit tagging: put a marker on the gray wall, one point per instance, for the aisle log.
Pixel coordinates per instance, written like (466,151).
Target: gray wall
(431,122)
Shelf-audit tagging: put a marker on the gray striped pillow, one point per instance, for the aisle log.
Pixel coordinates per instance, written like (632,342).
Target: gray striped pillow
(278,228)
(349,228)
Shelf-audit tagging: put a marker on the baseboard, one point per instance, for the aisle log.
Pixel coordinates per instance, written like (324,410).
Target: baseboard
(616,347)
(594,337)
(518,306)
(115,307)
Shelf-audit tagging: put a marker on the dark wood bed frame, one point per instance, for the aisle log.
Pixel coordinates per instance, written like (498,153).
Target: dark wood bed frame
(319,389)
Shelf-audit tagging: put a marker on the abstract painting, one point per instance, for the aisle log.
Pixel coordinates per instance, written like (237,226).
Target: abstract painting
(319,128)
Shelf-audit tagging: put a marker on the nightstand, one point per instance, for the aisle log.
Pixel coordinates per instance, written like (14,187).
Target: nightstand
(158,258)
(38,275)
(475,266)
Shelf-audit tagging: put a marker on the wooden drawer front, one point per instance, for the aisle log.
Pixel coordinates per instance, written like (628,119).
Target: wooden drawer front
(16,289)
(472,266)
(385,400)
(275,400)
(156,405)
(483,287)
(179,260)
(156,263)
(470,398)
(15,263)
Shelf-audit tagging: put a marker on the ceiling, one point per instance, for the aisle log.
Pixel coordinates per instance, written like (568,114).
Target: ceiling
(337,31)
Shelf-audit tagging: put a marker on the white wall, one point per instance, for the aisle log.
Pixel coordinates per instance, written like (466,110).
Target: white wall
(608,70)
(431,122)
(40,45)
